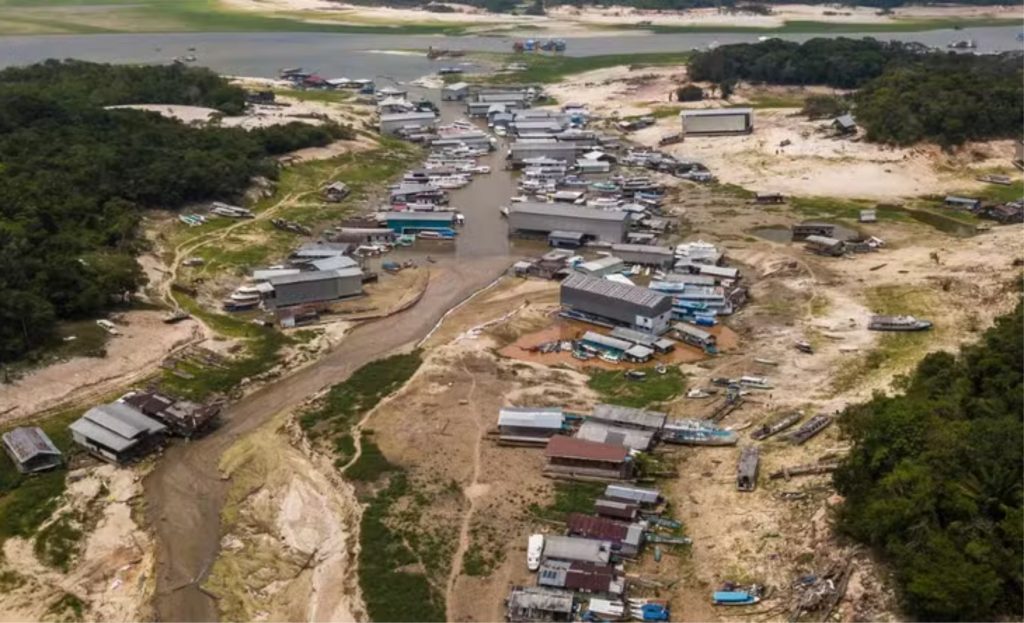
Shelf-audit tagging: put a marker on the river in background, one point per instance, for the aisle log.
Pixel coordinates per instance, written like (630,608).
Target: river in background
(362,56)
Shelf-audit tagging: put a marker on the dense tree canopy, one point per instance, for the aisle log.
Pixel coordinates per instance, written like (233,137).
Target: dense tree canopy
(906,93)
(934,481)
(74,178)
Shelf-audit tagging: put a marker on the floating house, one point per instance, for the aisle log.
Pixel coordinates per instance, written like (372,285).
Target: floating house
(590,459)
(182,417)
(583,577)
(618,509)
(455,92)
(596,552)
(530,425)
(117,432)
(615,304)
(634,495)
(712,121)
(538,603)
(631,438)
(529,218)
(602,266)
(628,417)
(316,286)
(412,222)
(626,539)
(823,245)
(644,254)
(392,124)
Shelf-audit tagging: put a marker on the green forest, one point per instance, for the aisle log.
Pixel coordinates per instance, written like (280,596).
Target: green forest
(75,179)
(507,6)
(905,92)
(934,481)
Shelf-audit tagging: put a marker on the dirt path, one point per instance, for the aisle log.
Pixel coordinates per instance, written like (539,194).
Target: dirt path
(467,518)
(185,493)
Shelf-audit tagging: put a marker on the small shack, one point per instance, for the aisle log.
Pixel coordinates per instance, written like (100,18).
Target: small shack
(868,216)
(617,509)
(335,192)
(566,239)
(590,459)
(182,417)
(802,230)
(455,92)
(769,198)
(635,495)
(631,438)
(746,470)
(538,603)
(31,450)
(962,203)
(844,125)
(529,425)
(823,245)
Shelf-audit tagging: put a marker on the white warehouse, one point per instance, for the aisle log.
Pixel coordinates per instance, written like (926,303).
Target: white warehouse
(709,121)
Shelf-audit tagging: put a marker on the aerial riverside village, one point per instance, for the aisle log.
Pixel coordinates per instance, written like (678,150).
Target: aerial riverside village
(313,311)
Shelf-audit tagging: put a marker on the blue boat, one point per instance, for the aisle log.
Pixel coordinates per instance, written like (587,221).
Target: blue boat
(734,598)
(697,433)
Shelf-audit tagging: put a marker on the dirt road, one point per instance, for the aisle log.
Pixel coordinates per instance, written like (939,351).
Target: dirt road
(185,493)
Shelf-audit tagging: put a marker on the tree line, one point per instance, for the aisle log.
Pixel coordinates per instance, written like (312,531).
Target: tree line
(75,179)
(906,92)
(934,480)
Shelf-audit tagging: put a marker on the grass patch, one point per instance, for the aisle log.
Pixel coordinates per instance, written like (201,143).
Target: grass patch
(59,543)
(615,387)
(317,95)
(773,100)
(570,497)
(548,68)
(894,350)
(998,193)
(392,594)
(371,465)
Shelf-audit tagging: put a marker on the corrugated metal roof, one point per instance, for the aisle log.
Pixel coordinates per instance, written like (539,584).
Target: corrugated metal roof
(334,263)
(631,438)
(604,340)
(531,417)
(617,414)
(569,210)
(100,435)
(601,263)
(305,277)
(823,240)
(560,446)
(643,248)
(528,598)
(692,330)
(573,548)
(612,289)
(577,575)
(420,216)
(633,494)
(408,116)
(26,442)
(718,271)
(122,419)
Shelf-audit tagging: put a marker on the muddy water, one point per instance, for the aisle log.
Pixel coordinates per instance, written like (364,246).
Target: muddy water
(185,494)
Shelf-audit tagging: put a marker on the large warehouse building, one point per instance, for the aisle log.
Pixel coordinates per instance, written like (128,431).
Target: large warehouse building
(544,218)
(616,303)
(527,149)
(317,286)
(717,121)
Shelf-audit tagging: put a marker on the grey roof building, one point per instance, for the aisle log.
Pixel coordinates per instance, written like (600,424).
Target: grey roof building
(526,149)
(710,121)
(633,494)
(544,218)
(538,603)
(573,548)
(631,438)
(646,254)
(318,286)
(116,432)
(629,417)
(455,92)
(31,449)
(392,123)
(615,303)
(529,425)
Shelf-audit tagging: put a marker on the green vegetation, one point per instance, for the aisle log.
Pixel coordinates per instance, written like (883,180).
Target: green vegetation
(825,106)
(486,550)
(614,387)
(933,482)
(570,497)
(76,178)
(371,464)
(906,93)
(392,594)
(549,68)
(819,27)
(58,544)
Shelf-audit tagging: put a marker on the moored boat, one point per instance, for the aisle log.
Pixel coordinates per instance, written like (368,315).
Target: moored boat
(898,323)
(697,433)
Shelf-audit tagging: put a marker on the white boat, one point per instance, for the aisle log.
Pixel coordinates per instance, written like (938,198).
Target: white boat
(534,549)
(451,182)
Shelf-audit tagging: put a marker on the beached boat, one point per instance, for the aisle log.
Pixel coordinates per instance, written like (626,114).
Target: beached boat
(697,433)
(773,428)
(898,323)
(734,598)
(810,428)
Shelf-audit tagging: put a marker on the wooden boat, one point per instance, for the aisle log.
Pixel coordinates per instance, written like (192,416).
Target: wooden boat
(810,428)
(898,323)
(697,433)
(767,430)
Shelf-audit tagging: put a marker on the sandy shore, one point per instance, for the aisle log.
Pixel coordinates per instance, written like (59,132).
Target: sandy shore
(570,21)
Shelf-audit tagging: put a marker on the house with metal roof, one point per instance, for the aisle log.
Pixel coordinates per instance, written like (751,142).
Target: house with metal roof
(411,222)
(631,438)
(320,250)
(695,336)
(844,124)
(629,417)
(529,425)
(182,417)
(626,538)
(823,245)
(615,304)
(645,254)
(574,548)
(391,124)
(31,449)
(117,432)
(584,577)
(602,266)
(523,150)
(590,459)
(655,343)
(538,603)
(317,286)
(455,92)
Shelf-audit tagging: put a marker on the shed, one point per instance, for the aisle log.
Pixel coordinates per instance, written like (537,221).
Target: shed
(607,345)
(182,417)
(116,432)
(967,203)
(823,245)
(619,509)
(660,345)
(645,254)
(522,150)
(566,239)
(844,124)
(319,286)
(695,336)
(391,124)
(529,425)
(868,216)
(602,266)
(631,438)
(567,455)
(637,495)
(455,92)
(629,417)
(711,121)
(31,450)
(573,548)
